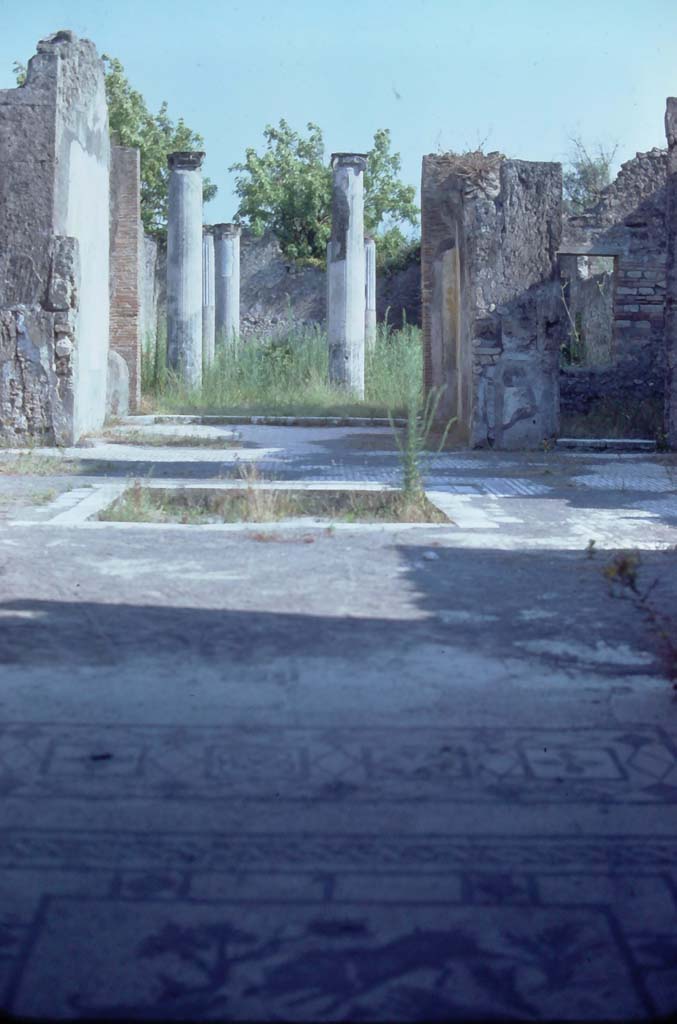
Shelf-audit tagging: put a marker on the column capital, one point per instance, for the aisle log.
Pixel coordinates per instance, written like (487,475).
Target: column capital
(356,160)
(226,230)
(185,161)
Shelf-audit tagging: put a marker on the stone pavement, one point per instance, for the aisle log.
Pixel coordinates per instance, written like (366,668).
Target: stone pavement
(364,773)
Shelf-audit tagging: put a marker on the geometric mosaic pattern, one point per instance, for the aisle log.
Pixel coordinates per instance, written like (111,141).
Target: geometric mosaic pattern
(625,765)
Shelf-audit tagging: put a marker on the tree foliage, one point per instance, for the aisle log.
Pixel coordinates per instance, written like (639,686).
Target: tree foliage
(287,189)
(586,176)
(155,135)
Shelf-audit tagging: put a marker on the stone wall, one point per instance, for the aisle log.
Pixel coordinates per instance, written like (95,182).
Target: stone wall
(54,187)
(671,277)
(492,313)
(126,240)
(275,293)
(627,223)
(153,290)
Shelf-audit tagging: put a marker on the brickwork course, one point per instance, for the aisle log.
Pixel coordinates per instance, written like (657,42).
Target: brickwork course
(629,224)
(126,254)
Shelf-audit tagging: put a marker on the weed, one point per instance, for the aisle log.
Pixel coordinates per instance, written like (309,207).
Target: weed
(255,502)
(622,574)
(43,497)
(289,375)
(31,464)
(420,421)
(139,437)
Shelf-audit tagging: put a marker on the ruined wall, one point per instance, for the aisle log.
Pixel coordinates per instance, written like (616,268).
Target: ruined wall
(54,171)
(671,276)
(153,290)
(491,228)
(274,293)
(629,224)
(126,241)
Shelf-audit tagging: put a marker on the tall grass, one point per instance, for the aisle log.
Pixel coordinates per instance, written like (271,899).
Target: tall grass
(288,375)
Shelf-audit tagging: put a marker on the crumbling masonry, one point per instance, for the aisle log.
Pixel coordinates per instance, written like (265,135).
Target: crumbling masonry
(671,275)
(499,298)
(54,258)
(491,309)
(502,280)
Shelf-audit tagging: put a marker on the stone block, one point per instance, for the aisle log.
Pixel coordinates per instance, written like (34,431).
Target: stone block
(54,178)
(490,233)
(117,391)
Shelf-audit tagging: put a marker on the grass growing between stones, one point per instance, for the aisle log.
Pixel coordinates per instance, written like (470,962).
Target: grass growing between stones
(289,376)
(148,440)
(31,464)
(258,504)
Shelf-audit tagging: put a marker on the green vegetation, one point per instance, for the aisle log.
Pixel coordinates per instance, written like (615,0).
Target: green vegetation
(149,440)
(31,464)
(586,175)
(154,135)
(287,189)
(289,376)
(256,503)
(414,442)
(622,574)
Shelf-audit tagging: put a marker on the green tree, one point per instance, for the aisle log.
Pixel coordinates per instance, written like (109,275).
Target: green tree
(586,176)
(155,135)
(287,189)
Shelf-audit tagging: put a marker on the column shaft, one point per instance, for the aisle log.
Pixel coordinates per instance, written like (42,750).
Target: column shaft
(346,274)
(370,292)
(184,267)
(227,291)
(208,321)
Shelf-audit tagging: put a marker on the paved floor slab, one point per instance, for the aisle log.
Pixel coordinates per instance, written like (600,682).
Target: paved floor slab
(275,773)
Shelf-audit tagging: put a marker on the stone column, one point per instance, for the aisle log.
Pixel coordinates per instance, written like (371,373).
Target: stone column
(227,263)
(184,267)
(671,281)
(207,296)
(370,291)
(346,273)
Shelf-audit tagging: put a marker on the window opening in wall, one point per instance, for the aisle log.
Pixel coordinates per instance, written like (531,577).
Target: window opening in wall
(604,391)
(590,402)
(587,284)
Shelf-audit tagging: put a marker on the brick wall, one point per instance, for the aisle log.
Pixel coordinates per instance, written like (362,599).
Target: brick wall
(629,223)
(126,241)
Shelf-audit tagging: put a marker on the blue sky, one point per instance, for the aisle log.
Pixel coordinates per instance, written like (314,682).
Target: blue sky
(518,76)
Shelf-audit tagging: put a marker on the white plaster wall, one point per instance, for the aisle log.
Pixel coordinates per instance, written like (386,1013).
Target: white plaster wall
(87,220)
